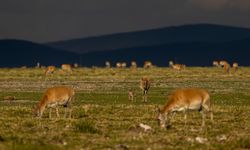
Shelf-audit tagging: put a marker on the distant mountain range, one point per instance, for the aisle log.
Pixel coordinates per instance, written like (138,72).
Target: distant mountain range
(195,45)
(170,35)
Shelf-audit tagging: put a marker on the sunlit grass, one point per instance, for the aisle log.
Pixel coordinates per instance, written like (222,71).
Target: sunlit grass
(104,118)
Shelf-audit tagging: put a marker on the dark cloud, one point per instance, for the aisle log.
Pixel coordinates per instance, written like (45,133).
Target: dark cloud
(49,20)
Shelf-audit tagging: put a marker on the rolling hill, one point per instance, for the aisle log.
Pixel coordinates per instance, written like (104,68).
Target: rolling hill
(155,37)
(193,45)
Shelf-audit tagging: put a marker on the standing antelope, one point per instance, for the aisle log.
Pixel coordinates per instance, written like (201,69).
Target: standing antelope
(226,66)
(54,97)
(235,66)
(216,64)
(66,68)
(145,85)
(133,65)
(118,65)
(107,64)
(176,66)
(147,64)
(184,100)
(131,96)
(50,70)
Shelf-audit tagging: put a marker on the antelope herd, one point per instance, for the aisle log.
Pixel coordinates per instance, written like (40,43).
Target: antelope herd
(226,66)
(183,99)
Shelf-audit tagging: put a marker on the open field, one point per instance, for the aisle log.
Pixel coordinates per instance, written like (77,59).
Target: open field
(103,118)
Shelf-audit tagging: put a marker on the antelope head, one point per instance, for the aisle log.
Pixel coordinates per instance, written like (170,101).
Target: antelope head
(161,118)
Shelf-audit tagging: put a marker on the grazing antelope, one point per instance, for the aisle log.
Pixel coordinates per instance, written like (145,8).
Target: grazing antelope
(176,66)
(147,64)
(54,97)
(66,68)
(118,65)
(124,65)
(235,66)
(184,100)
(216,64)
(145,85)
(226,66)
(131,96)
(133,65)
(50,70)
(107,64)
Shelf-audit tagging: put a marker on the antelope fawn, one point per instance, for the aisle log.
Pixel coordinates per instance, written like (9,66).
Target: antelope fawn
(131,96)
(54,97)
(184,100)
(145,85)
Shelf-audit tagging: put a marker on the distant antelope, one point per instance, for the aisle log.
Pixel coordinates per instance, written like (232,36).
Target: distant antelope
(54,97)
(235,66)
(9,98)
(107,64)
(118,65)
(50,70)
(176,66)
(148,64)
(184,100)
(145,85)
(131,96)
(66,68)
(76,65)
(124,65)
(38,65)
(226,66)
(133,65)
(216,64)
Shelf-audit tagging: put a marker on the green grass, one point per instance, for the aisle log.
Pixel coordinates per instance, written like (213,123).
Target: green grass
(103,118)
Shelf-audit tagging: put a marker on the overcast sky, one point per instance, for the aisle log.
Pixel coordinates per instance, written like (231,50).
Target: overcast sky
(52,20)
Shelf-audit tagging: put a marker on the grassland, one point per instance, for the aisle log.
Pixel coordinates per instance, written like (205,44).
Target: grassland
(103,118)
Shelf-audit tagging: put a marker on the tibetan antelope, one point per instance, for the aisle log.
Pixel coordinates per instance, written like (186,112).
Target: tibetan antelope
(124,65)
(38,65)
(66,68)
(54,97)
(147,64)
(176,66)
(118,65)
(216,64)
(235,66)
(50,70)
(145,85)
(226,66)
(76,65)
(107,64)
(184,100)
(131,96)
(133,65)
